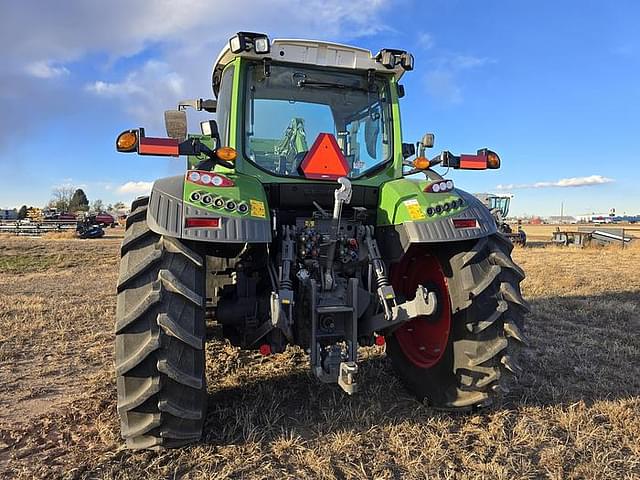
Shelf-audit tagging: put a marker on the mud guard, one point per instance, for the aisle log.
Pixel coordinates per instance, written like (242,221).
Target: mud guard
(167,212)
(396,239)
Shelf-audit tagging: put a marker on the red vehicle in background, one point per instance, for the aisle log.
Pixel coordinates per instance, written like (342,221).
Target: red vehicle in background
(105,219)
(66,217)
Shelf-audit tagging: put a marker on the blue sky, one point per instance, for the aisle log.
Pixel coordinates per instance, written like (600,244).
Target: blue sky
(552,86)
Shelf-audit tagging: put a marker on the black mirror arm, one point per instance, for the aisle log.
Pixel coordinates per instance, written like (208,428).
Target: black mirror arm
(447,159)
(194,146)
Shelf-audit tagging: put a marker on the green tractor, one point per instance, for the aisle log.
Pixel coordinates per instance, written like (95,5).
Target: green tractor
(295,224)
(498,205)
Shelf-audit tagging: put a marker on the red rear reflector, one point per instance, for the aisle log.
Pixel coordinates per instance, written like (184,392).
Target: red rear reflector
(465,222)
(325,160)
(158,146)
(265,349)
(203,222)
(473,162)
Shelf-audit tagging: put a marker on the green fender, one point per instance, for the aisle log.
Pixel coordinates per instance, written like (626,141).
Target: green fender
(408,215)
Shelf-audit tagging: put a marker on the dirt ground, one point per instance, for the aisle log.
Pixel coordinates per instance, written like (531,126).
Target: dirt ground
(574,414)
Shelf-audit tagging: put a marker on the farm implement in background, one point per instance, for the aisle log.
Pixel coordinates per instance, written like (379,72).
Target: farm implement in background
(36,228)
(591,236)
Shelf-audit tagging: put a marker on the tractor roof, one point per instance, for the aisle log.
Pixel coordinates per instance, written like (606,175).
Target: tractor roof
(310,52)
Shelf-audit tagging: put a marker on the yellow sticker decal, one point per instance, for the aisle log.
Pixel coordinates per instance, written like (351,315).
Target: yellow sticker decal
(257,208)
(414,209)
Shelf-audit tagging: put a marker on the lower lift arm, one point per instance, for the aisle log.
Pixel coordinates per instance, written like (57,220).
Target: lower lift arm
(424,303)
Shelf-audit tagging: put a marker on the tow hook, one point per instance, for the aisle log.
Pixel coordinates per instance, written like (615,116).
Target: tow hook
(346,377)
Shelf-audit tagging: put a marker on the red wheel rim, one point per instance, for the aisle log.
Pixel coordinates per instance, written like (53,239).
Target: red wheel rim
(423,339)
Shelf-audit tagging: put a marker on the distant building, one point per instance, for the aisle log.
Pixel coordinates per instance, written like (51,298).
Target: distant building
(6,214)
(595,218)
(561,219)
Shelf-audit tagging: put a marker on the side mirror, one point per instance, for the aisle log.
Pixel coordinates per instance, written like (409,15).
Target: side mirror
(428,140)
(210,128)
(408,150)
(175,121)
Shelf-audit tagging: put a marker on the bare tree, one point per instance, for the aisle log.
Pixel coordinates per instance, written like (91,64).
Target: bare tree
(97,206)
(61,198)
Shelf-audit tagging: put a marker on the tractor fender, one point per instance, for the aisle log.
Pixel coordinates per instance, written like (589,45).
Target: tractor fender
(443,229)
(399,237)
(167,213)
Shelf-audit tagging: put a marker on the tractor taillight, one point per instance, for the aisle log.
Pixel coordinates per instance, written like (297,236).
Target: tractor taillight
(442,186)
(473,162)
(465,222)
(202,222)
(482,160)
(158,146)
(208,179)
(265,349)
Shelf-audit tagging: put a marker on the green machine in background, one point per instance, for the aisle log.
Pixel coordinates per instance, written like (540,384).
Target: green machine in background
(303,219)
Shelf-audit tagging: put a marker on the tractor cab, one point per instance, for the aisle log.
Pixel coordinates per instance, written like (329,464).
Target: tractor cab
(499,203)
(309,110)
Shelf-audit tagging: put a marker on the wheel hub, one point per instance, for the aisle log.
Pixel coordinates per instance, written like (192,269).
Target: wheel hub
(424,339)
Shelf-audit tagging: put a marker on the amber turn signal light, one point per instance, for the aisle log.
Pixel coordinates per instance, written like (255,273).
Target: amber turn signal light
(493,160)
(127,141)
(421,163)
(226,153)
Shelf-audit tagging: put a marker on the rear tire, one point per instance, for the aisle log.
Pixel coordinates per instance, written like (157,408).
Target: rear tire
(486,333)
(160,334)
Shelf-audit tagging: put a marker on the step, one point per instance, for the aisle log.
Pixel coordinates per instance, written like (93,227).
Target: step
(334,309)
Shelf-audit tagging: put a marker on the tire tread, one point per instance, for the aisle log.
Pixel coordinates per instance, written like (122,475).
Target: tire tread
(160,336)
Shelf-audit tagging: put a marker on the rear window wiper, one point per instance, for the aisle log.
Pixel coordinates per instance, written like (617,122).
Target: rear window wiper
(339,86)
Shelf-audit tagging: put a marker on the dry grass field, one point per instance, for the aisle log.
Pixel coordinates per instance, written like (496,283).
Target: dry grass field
(574,414)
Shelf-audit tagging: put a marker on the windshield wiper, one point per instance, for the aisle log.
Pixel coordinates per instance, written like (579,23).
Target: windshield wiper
(339,86)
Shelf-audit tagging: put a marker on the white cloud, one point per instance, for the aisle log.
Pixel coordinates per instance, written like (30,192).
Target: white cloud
(139,188)
(182,39)
(145,92)
(77,27)
(45,69)
(562,183)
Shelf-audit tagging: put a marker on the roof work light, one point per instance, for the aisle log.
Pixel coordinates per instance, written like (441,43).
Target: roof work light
(389,58)
(245,41)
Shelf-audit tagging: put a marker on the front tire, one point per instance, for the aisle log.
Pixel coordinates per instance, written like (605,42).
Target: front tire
(160,335)
(481,350)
